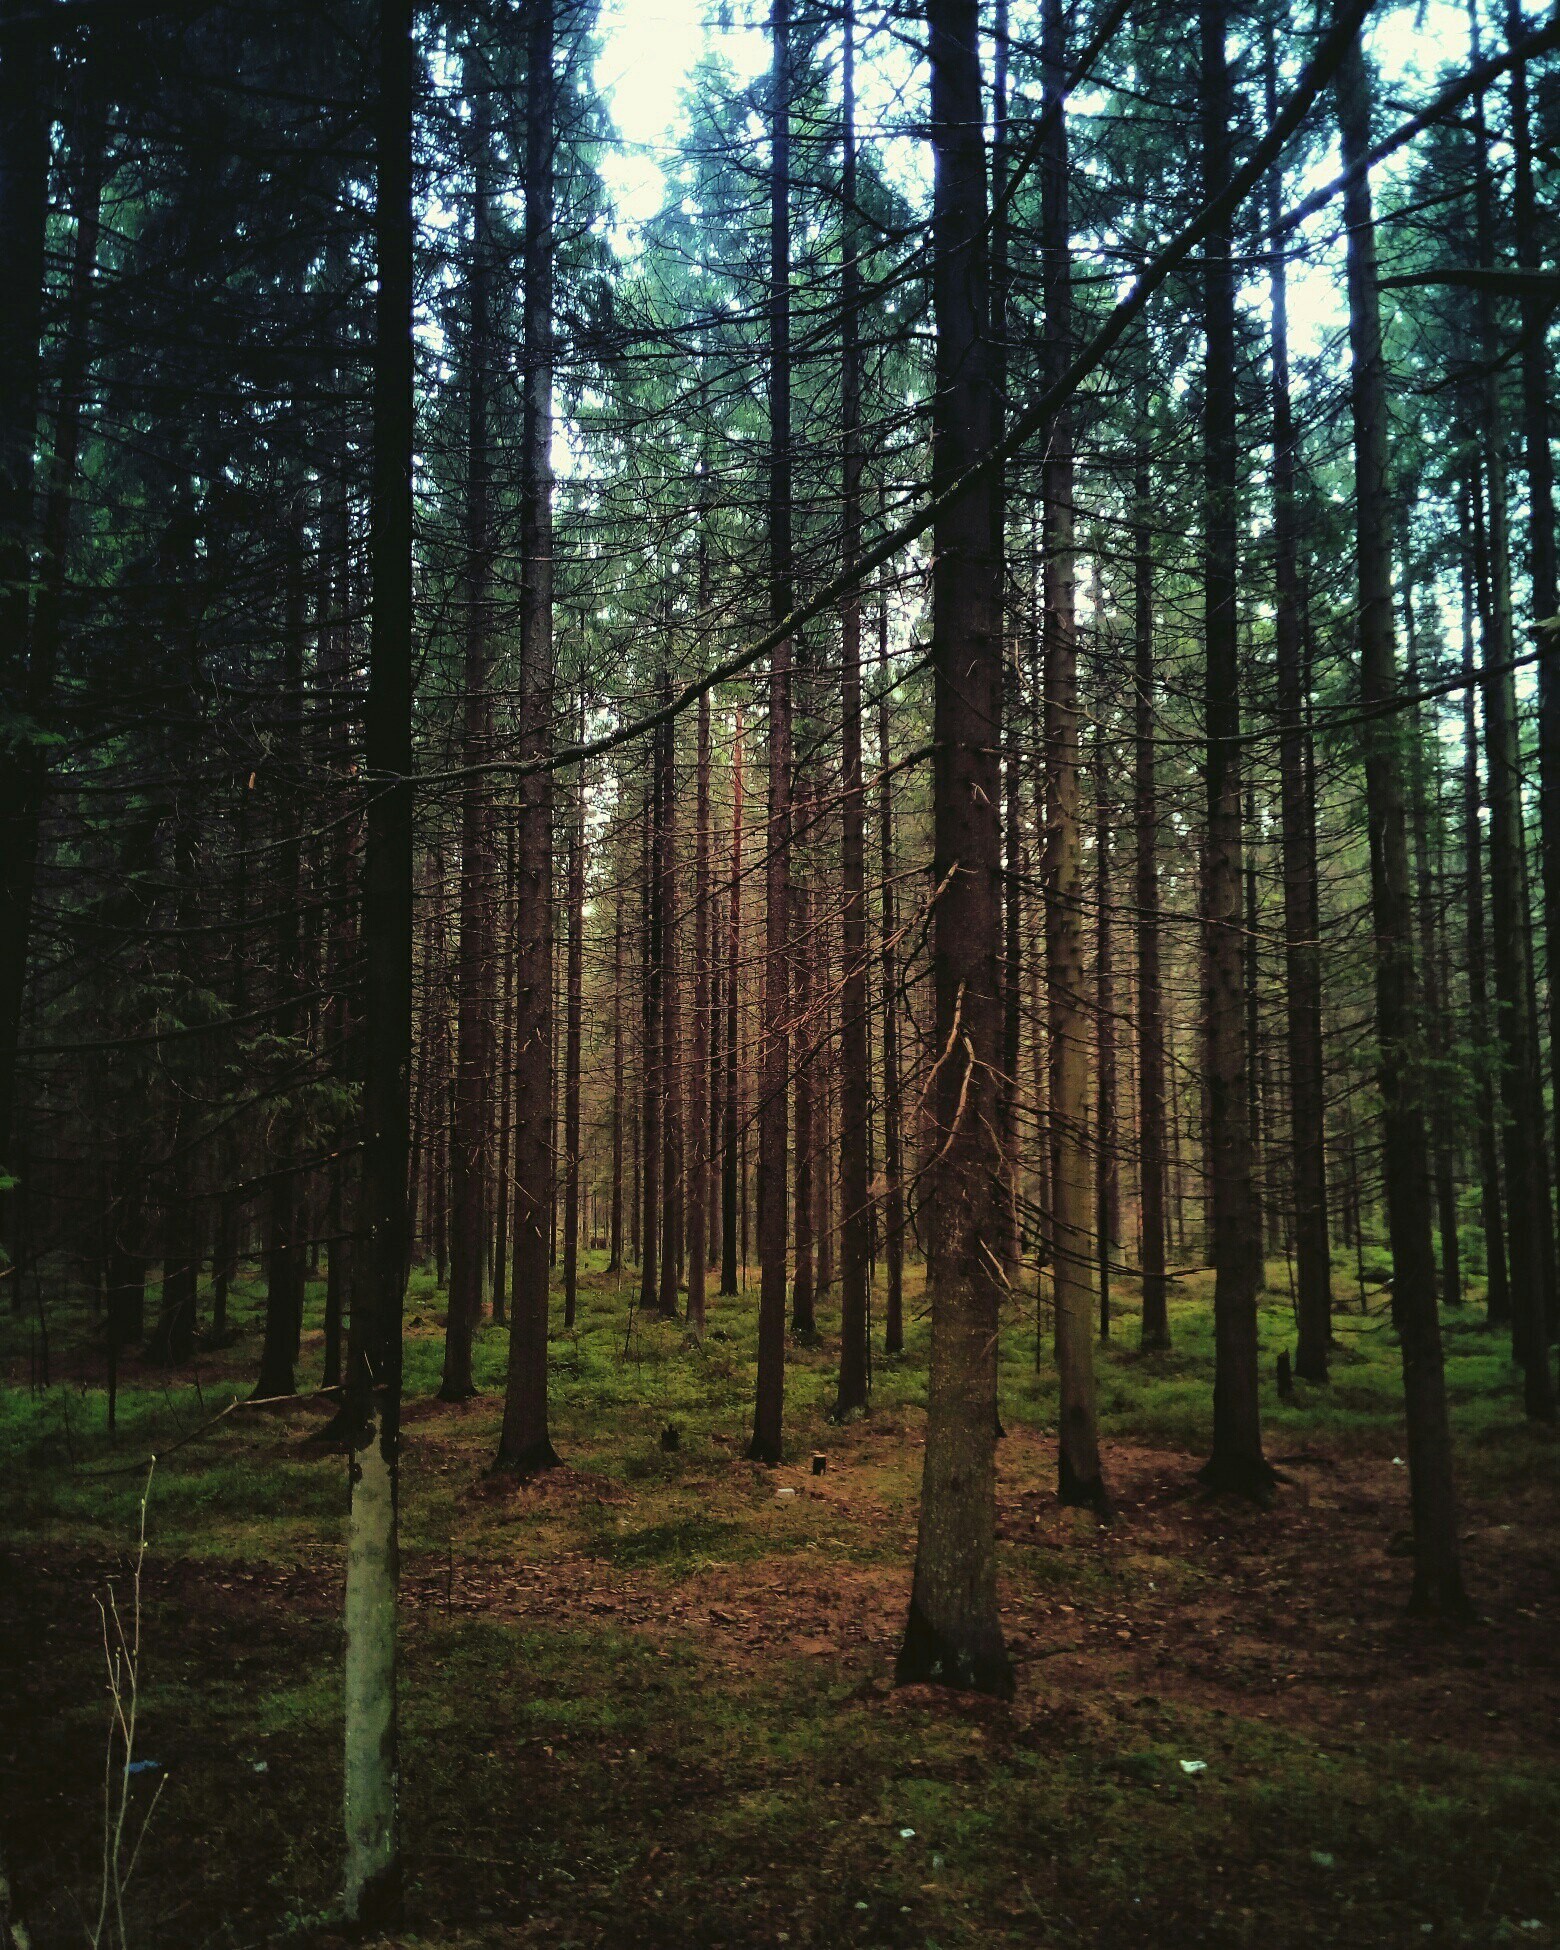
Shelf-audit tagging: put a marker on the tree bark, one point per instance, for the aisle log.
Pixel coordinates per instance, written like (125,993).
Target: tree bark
(372,1895)
(24,682)
(473,974)
(699,1117)
(1497,1289)
(732,1222)
(954,1632)
(1237,1463)
(1079,1477)
(524,1441)
(574,1005)
(774,1063)
(855,1073)
(1151,1026)
(1302,950)
(893,1115)
(1438,1585)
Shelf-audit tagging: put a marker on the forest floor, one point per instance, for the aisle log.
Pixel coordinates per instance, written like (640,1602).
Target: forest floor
(647,1698)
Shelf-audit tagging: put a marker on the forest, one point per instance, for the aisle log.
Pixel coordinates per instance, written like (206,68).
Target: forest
(779,973)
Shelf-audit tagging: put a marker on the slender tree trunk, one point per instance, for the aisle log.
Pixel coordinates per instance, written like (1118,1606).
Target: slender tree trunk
(574,1006)
(1302,950)
(619,1102)
(284,1256)
(503,1183)
(1438,1586)
(954,1631)
(25,683)
(671,1038)
(1237,1462)
(1151,1026)
(1438,1041)
(732,1221)
(699,1109)
(372,1895)
(804,1324)
(855,1057)
(1497,1290)
(1537,382)
(1105,1165)
(473,975)
(1521,1088)
(893,1139)
(652,975)
(1079,1478)
(769,1402)
(524,1442)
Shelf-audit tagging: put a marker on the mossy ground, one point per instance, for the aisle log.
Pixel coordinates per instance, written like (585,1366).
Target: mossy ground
(647,1700)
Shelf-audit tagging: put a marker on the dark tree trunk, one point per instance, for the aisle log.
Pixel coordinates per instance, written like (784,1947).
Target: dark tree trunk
(893,1141)
(1537,381)
(1151,1027)
(503,1180)
(619,1101)
(671,1037)
(1105,1165)
(1521,1086)
(1079,1478)
(372,1411)
(774,1061)
(732,1220)
(1302,950)
(1497,1290)
(855,1059)
(804,1324)
(473,974)
(1438,1586)
(574,1005)
(651,978)
(954,1632)
(1237,1463)
(25,683)
(524,1443)
(699,1108)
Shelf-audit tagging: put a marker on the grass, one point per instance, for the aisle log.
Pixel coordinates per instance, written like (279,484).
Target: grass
(645,1701)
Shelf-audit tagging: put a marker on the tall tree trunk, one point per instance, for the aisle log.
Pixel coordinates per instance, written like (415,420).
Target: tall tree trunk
(284,1256)
(1302,950)
(651,982)
(1497,1289)
(804,1324)
(1438,1586)
(893,1139)
(954,1632)
(699,1109)
(1105,1165)
(1079,1479)
(524,1442)
(671,1038)
(855,1060)
(574,1004)
(619,1101)
(24,681)
(503,1182)
(1438,1040)
(372,1896)
(774,1061)
(473,975)
(732,1222)
(1237,1463)
(1521,1088)
(1537,380)
(1151,1024)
